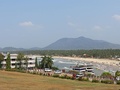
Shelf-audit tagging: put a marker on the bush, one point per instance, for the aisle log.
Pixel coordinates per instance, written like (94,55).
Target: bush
(95,80)
(83,79)
(118,82)
(63,77)
(34,72)
(107,81)
(41,73)
(68,77)
(55,75)
(55,68)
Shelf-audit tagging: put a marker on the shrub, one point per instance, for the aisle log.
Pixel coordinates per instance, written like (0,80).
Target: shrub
(73,78)
(55,68)
(106,74)
(63,77)
(41,73)
(118,82)
(34,72)
(68,77)
(73,72)
(83,79)
(55,75)
(95,80)
(107,81)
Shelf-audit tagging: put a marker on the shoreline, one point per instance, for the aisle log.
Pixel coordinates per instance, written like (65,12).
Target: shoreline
(94,60)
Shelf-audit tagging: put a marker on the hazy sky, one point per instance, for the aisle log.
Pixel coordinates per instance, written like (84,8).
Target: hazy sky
(38,23)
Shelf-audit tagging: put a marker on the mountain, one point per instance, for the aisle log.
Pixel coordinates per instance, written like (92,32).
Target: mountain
(80,43)
(12,49)
(35,48)
(18,49)
(71,44)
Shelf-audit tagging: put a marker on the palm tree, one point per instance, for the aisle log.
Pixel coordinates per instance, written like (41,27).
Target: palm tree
(49,62)
(20,58)
(46,62)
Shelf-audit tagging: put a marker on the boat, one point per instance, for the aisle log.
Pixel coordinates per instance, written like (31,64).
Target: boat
(86,68)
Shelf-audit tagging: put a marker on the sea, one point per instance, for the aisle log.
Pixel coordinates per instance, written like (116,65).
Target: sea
(98,68)
(67,64)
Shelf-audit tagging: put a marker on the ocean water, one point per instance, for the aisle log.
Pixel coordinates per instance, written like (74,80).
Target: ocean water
(67,64)
(98,69)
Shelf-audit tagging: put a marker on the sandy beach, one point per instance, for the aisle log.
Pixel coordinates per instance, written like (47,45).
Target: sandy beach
(100,61)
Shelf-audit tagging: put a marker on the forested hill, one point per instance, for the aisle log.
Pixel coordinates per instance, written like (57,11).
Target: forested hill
(80,43)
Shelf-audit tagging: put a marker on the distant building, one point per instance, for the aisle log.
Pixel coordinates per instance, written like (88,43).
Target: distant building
(14,61)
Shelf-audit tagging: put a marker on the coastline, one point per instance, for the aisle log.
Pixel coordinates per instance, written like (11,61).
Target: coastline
(94,60)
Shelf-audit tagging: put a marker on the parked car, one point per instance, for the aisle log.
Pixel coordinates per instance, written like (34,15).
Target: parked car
(79,75)
(48,70)
(58,72)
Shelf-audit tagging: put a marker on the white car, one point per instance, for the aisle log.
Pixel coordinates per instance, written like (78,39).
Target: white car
(58,72)
(79,75)
(48,70)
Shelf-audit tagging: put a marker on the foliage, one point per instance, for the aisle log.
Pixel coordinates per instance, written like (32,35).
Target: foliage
(55,68)
(117,73)
(46,62)
(95,80)
(83,79)
(8,62)
(63,76)
(36,64)
(106,75)
(107,81)
(95,53)
(20,57)
(26,61)
(68,77)
(1,58)
(118,82)
(73,72)
(56,75)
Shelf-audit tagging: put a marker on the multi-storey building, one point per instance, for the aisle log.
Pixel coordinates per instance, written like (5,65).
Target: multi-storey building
(13,58)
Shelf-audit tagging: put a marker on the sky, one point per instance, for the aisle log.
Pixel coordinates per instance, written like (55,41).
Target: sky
(38,23)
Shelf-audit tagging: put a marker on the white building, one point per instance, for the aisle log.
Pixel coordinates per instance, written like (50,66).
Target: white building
(13,57)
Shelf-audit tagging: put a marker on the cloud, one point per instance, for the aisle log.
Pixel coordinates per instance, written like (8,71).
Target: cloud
(26,24)
(116,17)
(72,24)
(97,27)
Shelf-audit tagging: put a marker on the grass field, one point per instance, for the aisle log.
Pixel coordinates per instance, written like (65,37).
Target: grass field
(23,81)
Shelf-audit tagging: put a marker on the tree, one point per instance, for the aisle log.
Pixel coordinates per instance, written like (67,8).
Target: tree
(49,62)
(46,62)
(20,58)
(117,73)
(26,62)
(36,63)
(8,62)
(1,59)
(106,75)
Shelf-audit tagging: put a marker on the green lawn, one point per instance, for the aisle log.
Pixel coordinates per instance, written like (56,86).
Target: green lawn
(22,81)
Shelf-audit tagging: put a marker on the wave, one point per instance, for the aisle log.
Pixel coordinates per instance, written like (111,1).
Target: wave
(67,62)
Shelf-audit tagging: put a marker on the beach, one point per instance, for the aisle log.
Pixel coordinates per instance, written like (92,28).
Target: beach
(104,65)
(100,61)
